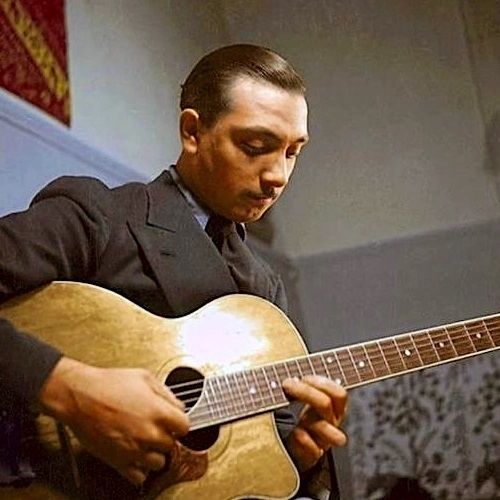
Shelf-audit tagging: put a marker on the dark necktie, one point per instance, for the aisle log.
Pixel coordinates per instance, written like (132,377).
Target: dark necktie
(247,272)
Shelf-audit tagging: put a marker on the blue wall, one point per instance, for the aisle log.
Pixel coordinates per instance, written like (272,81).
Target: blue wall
(35,149)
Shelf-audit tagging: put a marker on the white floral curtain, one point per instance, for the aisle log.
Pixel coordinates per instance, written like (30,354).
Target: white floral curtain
(429,435)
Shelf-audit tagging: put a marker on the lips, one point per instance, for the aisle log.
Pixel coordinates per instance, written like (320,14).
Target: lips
(261,199)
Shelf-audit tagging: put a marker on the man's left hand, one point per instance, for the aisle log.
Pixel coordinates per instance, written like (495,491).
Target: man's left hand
(317,429)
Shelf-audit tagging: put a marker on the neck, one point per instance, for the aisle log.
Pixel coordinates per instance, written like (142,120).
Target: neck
(186,171)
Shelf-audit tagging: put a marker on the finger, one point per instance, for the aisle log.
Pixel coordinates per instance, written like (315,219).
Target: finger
(172,420)
(333,408)
(325,434)
(159,440)
(313,396)
(153,460)
(304,447)
(135,474)
(338,395)
(334,390)
(163,391)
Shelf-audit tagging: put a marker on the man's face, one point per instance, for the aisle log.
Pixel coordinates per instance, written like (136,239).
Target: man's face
(247,156)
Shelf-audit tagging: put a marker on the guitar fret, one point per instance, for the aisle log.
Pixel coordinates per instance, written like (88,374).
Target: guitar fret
(488,333)
(493,325)
(442,344)
(327,370)
(416,349)
(345,361)
(333,368)
(242,391)
(362,363)
(226,402)
(449,338)
(433,345)
(268,384)
(425,347)
(259,386)
(313,372)
(216,402)
(349,350)
(281,372)
(385,370)
(247,390)
(278,390)
(287,366)
(408,352)
(265,387)
(299,370)
(335,361)
(303,367)
(476,330)
(461,340)
(392,356)
(255,389)
(235,394)
(210,404)
(318,366)
(378,361)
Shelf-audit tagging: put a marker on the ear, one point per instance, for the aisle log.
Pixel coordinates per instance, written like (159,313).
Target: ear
(189,127)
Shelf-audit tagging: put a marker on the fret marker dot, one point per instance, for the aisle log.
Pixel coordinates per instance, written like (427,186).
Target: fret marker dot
(478,335)
(407,352)
(253,390)
(274,384)
(441,344)
(329,359)
(361,364)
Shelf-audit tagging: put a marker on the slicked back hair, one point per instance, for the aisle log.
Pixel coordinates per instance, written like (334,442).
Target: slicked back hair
(206,88)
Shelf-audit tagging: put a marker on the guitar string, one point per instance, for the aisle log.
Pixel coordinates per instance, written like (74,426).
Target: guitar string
(264,403)
(234,408)
(235,402)
(239,404)
(382,358)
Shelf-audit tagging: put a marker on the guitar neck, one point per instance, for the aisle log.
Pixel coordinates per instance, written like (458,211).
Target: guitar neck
(242,394)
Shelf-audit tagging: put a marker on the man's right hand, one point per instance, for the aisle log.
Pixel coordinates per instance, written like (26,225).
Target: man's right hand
(123,416)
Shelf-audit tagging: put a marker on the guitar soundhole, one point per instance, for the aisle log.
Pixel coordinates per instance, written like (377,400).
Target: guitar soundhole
(187,385)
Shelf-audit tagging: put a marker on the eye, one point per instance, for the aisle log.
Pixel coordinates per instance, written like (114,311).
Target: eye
(252,150)
(293,153)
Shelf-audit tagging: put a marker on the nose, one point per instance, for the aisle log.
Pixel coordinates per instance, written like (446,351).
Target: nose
(277,173)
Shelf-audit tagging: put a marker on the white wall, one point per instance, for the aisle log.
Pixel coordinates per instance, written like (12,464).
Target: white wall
(127,59)
(397,138)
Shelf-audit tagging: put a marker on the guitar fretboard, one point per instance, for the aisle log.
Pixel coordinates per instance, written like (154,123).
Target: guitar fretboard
(241,394)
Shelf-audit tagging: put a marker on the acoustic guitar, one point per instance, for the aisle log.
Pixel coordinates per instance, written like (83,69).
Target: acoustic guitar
(226,361)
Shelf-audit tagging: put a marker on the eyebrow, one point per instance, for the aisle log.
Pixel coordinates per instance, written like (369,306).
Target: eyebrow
(264,131)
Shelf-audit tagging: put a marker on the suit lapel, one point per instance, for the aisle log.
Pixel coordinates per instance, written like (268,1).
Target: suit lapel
(186,264)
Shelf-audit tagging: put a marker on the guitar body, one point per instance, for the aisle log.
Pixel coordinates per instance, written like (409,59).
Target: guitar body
(101,328)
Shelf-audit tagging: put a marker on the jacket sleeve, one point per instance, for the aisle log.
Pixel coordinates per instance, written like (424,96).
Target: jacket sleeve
(60,237)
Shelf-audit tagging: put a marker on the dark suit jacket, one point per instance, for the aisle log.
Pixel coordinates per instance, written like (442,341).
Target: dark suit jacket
(140,240)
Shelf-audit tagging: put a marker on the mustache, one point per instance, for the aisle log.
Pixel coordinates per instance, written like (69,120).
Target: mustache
(265,194)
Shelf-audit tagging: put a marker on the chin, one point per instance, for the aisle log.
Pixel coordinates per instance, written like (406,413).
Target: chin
(253,217)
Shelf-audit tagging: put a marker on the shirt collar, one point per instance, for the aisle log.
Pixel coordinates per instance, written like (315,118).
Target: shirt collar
(199,212)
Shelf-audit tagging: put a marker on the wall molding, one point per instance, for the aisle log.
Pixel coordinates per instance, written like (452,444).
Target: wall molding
(25,117)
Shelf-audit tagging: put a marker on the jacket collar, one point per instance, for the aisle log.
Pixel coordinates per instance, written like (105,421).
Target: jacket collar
(186,264)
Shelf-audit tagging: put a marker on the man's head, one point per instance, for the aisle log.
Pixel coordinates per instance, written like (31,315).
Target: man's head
(243,123)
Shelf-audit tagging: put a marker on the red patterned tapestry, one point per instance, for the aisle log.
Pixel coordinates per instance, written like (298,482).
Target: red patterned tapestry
(33,57)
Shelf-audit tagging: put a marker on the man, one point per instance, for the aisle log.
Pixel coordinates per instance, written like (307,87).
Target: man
(243,123)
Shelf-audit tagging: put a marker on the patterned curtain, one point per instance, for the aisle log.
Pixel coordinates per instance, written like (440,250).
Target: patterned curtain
(430,435)
(33,56)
